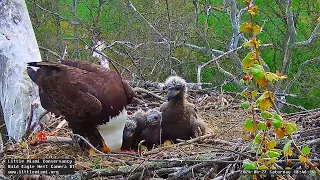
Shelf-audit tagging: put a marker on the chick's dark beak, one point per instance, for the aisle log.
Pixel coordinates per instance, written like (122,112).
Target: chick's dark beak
(172,93)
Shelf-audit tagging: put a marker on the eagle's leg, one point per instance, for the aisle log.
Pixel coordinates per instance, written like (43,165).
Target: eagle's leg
(89,132)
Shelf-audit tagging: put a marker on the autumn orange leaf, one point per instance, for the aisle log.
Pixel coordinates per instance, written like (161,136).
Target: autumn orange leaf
(262,82)
(253,10)
(280,133)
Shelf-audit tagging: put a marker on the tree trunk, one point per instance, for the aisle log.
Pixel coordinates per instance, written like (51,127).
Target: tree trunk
(18,46)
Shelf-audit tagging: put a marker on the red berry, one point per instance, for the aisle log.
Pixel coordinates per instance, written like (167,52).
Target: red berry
(268,124)
(264,150)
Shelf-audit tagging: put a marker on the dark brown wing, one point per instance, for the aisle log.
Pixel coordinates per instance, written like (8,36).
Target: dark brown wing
(83,94)
(103,72)
(45,100)
(192,109)
(199,127)
(70,95)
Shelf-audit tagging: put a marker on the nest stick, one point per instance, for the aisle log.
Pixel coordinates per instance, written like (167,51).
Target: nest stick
(154,151)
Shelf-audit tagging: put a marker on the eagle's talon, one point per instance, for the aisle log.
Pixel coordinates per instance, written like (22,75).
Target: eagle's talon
(105,148)
(91,152)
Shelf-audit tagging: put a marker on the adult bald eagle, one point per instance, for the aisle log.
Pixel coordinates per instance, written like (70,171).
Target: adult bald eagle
(180,119)
(91,98)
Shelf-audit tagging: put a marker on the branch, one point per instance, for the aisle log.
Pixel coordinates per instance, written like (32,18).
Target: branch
(220,56)
(51,52)
(290,39)
(149,93)
(212,60)
(185,171)
(289,104)
(229,75)
(231,175)
(175,43)
(54,13)
(235,23)
(111,61)
(299,72)
(312,37)
(224,149)
(200,138)
(145,20)
(28,130)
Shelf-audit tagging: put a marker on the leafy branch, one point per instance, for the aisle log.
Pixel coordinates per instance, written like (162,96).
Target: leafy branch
(267,128)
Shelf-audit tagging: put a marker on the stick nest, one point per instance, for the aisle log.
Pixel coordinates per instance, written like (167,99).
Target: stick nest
(215,155)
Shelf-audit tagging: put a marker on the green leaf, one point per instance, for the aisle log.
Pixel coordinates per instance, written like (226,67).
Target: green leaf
(210,21)
(254,94)
(273,153)
(257,139)
(271,77)
(266,115)
(305,150)
(202,17)
(211,2)
(287,145)
(247,62)
(291,128)
(245,105)
(249,165)
(257,71)
(262,126)
(248,125)
(276,120)
(262,167)
(288,168)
